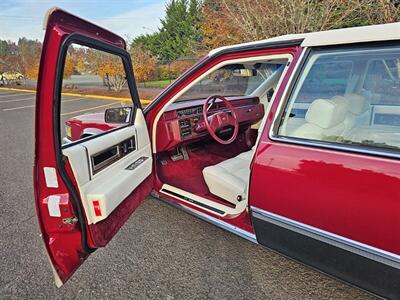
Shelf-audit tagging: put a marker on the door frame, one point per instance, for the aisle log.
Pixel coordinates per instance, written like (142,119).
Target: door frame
(214,57)
(289,47)
(90,42)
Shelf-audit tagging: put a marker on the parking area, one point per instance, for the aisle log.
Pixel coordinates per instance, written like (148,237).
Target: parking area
(161,253)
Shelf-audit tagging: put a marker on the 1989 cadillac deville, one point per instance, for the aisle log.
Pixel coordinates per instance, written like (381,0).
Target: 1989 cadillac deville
(292,143)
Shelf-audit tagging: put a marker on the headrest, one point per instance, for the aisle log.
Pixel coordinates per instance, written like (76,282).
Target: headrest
(340,100)
(357,103)
(325,113)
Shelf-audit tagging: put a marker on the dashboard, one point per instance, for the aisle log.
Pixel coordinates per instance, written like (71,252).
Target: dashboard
(182,122)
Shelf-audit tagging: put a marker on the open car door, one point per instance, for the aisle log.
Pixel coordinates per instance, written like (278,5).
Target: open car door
(85,189)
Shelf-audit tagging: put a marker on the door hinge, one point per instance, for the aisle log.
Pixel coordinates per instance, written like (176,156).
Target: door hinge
(70,221)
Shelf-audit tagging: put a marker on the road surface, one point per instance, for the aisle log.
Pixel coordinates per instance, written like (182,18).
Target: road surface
(161,253)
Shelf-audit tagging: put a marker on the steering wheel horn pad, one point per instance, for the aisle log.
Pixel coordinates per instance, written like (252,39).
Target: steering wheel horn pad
(220,119)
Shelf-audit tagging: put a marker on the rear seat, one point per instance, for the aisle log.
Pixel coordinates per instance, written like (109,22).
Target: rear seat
(356,111)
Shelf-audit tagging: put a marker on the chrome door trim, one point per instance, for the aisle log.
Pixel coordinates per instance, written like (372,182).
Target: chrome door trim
(362,249)
(285,95)
(219,223)
(356,149)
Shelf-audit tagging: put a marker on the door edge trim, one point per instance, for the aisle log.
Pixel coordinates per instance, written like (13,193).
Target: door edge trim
(344,243)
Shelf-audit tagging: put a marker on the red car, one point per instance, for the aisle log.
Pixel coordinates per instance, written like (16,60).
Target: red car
(90,124)
(292,143)
(84,126)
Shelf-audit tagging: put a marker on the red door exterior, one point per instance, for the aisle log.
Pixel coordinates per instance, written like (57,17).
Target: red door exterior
(351,195)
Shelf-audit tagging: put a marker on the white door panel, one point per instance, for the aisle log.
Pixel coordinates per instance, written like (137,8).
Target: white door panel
(107,187)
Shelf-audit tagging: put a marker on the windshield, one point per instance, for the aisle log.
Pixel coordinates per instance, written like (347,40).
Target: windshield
(232,80)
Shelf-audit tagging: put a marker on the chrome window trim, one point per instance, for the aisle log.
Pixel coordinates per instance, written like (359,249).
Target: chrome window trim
(217,222)
(284,98)
(353,246)
(273,130)
(336,146)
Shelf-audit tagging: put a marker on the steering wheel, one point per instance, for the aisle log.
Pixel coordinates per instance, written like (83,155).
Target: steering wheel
(220,119)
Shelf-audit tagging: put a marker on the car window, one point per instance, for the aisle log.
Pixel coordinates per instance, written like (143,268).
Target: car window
(95,97)
(382,80)
(325,79)
(232,80)
(347,97)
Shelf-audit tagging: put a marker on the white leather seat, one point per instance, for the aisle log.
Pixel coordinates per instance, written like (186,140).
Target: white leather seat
(324,118)
(229,179)
(357,111)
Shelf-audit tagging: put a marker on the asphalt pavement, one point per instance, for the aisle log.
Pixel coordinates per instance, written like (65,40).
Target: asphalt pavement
(161,252)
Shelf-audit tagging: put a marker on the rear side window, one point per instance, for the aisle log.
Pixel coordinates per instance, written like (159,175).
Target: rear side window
(325,79)
(347,97)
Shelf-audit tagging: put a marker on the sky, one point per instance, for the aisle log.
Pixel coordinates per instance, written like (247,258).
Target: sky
(128,18)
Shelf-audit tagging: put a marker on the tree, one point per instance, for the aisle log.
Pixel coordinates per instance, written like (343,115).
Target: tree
(144,64)
(107,66)
(216,30)
(179,32)
(232,21)
(7,48)
(28,57)
(69,65)
(381,11)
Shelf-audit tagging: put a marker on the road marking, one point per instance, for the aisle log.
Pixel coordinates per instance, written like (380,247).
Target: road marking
(71,100)
(17,90)
(16,108)
(9,95)
(17,100)
(85,109)
(96,97)
(30,106)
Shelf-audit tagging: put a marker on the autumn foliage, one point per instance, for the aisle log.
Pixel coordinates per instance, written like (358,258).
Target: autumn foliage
(231,21)
(109,67)
(22,57)
(216,29)
(144,64)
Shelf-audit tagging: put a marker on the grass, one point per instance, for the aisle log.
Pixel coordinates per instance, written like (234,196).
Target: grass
(156,83)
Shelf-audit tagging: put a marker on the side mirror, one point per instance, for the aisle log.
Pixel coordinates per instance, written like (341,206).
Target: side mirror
(118,115)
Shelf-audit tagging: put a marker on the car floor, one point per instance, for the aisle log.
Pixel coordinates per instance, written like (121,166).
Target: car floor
(188,174)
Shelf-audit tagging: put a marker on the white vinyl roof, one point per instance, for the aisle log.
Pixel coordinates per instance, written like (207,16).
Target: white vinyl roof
(383,32)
